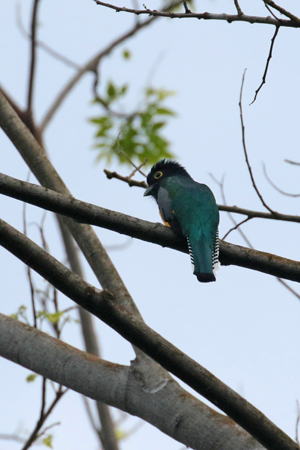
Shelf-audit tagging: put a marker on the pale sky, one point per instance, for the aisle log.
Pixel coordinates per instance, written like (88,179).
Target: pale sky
(245,327)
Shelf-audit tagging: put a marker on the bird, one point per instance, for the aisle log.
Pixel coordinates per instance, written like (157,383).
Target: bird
(190,210)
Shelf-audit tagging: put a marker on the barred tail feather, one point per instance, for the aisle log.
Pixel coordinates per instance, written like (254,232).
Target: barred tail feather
(204,258)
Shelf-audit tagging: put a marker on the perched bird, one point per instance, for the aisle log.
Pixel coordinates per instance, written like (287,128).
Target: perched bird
(190,209)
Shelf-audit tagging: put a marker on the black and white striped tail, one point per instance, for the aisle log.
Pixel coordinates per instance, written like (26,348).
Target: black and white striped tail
(207,276)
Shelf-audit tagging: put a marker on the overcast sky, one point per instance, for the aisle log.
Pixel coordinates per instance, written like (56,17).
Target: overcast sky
(245,327)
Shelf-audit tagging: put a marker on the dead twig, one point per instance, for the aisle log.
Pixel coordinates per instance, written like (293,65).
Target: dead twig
(127,180)
(238,8)
(283,11)
(292,162)
(276,187)
(32,57)
(267,65)
(205,16)
(245,149)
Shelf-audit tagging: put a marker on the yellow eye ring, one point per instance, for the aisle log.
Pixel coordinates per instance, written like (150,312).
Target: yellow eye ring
(158,174)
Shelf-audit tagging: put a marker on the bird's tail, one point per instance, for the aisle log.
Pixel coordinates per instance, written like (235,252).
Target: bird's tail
(204,256)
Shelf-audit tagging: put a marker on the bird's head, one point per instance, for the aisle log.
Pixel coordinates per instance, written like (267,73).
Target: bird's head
(161,170)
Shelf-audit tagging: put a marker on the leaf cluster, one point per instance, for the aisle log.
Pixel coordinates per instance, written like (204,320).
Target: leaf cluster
(135,136)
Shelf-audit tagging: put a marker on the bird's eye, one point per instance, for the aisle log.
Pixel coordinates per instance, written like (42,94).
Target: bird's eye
(158,174)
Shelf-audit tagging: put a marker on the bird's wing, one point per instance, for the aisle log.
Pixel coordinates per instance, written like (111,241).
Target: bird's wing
(165,206)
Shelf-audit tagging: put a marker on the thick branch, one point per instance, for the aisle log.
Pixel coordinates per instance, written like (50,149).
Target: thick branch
(170,409)
(104,305)
(140,229)
(205,16)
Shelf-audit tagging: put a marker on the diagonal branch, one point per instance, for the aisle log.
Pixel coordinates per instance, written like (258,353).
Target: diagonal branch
(267,64)
(33,57)
(81,372)
(283,11)
(104,305)
(205,16)
(245,149)
(91,66)
(150,232)
(276,187)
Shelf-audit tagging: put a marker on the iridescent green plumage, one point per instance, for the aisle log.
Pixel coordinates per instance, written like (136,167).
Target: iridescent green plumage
(190,209)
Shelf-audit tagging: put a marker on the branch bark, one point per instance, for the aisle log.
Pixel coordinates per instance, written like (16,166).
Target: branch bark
(170,409)
(105,306)
(141,229)
(293,23)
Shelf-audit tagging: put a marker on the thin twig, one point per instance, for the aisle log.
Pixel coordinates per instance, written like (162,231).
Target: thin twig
(186,8)
(41,44)
(283,11)
(297,423)
(238,8)
(44,415)
(32,57)
(292,162)
(236,227)
(91,66)
(276,187)
(221,184)
(132,163)
(267,64)
(271,12)
(205,16)
(32,290)
(245,150)
(127,180)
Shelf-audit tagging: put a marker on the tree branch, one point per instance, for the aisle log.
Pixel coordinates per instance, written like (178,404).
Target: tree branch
(283,11)
(141,229)
(119,387)
(104,305)
(245,150)
(33,57)
(205,16)
(267,64)
(234,209)
(91,66)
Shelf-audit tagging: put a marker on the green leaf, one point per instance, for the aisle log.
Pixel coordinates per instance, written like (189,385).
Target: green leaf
(31,377)
(54,317)
(111,90)
(165,111)
(126,54)
(48,440)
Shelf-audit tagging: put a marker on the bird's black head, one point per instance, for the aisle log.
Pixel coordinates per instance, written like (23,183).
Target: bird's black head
(161,170)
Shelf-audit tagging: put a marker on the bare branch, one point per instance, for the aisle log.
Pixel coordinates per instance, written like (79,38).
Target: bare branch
(245,150)
(292,162)
(44,414)
(205,16)
(33,56)
(103,304)
(127,180)
(91,66)
(238,8)
(276,187)
(283,11)
(44,46)
(186,8)
(267,65)
(236,227)
(140,229)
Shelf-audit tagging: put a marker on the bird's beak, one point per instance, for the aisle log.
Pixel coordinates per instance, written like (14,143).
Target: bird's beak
(148,191)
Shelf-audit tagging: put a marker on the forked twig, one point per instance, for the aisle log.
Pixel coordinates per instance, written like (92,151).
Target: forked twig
(245,149)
